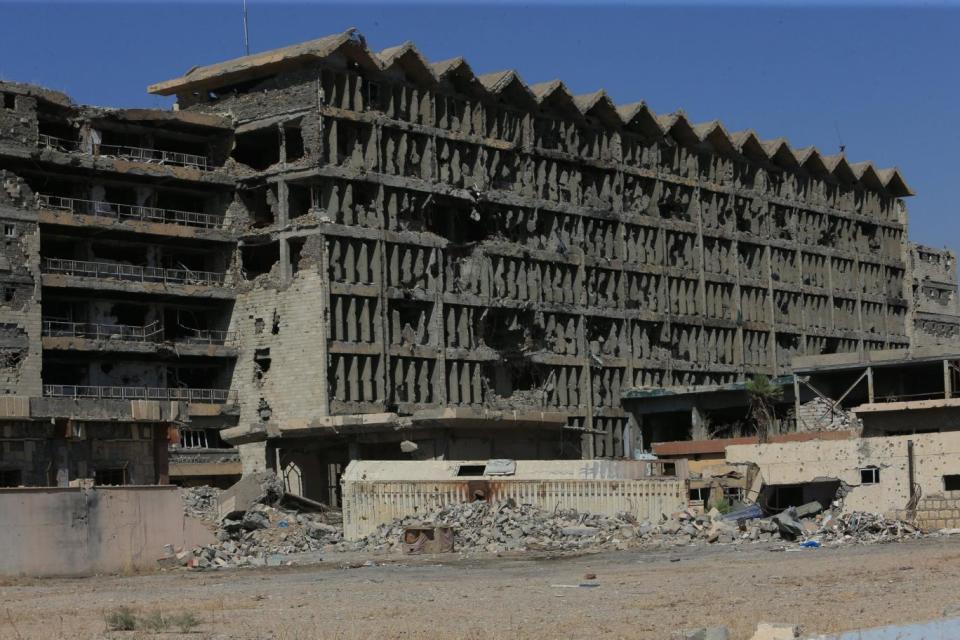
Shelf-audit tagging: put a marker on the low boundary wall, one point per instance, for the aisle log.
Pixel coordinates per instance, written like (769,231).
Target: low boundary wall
(53,531)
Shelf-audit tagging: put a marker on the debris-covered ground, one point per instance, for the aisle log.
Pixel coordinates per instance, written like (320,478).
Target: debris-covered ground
(640,594)
(270,533)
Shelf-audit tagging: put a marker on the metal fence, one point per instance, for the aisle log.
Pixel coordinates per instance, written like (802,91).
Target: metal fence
(137,154)
(122,212)
(212,396)
(131,273)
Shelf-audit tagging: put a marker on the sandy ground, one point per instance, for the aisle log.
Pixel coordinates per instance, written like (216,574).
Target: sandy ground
(640,595)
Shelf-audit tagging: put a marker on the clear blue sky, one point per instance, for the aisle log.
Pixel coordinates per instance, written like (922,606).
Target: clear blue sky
(883,76)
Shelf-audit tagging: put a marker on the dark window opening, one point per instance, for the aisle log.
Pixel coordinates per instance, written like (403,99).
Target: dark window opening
(261,203)
(372,95)
(11,478)
(131,314)
(128,254)
(259,259)
(293,142)
(63,373)
(951,482)
(870,475)
(9,293)
(262,361)
(410,322)
(9,231)
(179,201)
(299,200)
(58,129)
(466,470)
(700,494)
(193,377)
(116,476)
(9,101)
(275,326)
(258,149)
(511,332)
(296,253)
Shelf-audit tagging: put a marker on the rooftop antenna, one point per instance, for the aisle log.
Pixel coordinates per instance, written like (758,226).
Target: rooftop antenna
(246,32)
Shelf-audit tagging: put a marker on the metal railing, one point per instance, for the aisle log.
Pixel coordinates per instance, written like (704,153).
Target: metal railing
(152,332)
(137,154)
(131,273)
(122,212)
(207,336)
(213,396)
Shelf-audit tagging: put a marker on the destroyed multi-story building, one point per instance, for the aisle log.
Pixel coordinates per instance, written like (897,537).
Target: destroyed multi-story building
(331,253)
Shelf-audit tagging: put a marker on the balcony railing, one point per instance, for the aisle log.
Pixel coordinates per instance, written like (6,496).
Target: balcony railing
(207,336)
(137,154)
(123,212)
(212,396)
(131,273)
(152,332)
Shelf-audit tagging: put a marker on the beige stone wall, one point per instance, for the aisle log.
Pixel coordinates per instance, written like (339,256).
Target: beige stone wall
(75,532)
(935,455)
(286,325)
(937,512)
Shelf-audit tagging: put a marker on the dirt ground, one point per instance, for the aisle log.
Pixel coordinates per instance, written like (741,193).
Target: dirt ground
(647,594)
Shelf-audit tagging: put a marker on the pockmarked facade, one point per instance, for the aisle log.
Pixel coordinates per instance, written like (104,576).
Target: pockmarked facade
(324,253)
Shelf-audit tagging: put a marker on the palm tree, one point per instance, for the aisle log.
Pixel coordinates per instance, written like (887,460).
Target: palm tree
(764,395)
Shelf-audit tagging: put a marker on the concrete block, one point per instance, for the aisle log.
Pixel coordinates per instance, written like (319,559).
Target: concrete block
(776,631)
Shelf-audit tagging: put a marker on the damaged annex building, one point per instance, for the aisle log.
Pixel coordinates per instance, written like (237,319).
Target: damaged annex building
(323,253)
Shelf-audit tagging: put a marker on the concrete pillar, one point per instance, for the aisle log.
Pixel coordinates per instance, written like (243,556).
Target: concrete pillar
(255,457)
(698,425)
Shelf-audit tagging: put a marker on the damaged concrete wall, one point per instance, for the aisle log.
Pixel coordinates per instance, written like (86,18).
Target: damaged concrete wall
(935,305)
(936,458)
(79,532)
(20,313)
(280,374)
(484,252)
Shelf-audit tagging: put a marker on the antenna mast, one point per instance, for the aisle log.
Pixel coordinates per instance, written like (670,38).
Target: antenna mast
(246,32)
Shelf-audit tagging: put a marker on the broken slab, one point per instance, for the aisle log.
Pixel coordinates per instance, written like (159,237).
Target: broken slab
(255,488)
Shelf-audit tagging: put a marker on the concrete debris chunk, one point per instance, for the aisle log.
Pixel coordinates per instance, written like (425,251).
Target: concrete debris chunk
(776,631)
(788,524)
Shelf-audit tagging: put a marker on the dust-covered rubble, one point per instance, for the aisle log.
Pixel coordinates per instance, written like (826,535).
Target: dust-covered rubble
(268,533)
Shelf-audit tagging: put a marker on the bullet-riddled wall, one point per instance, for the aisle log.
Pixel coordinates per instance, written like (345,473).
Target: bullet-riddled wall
(487,243)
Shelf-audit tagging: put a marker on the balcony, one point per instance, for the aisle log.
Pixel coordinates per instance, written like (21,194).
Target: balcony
(131,273)
(136,154)
(129,212)
(208,396)
(153,332)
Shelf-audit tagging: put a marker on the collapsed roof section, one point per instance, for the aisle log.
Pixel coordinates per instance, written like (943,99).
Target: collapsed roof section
(509,86)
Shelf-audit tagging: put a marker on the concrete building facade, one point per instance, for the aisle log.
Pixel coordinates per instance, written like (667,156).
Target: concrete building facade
(402,251)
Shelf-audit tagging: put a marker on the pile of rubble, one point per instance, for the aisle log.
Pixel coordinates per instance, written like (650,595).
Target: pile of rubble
(481,526)
(263,535)
(265,525)
(256,523)
(201,502)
